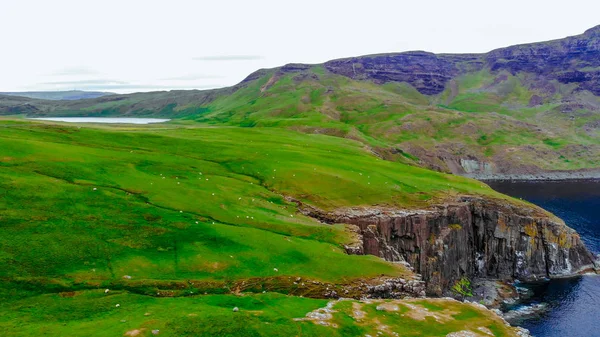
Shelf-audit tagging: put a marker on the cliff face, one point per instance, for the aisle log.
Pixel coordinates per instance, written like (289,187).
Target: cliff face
(574,60)
(571,60)
(427,72)
(472,238)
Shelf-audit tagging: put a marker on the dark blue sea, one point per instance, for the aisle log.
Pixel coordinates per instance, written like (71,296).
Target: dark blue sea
(562,307)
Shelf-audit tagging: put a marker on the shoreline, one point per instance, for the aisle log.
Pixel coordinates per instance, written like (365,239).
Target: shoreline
(543,176)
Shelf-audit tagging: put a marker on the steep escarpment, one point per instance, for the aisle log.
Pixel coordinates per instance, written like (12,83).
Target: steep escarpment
(570,60)
(574,60)
(471,238)
(427,72)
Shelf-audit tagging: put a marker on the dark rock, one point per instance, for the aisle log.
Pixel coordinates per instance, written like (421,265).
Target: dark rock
(472,238)
(563,60)
(295,67)
(570,60)
(535,100)
(427,72)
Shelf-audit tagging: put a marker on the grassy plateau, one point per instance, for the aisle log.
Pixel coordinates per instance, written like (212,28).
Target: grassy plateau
(183,222)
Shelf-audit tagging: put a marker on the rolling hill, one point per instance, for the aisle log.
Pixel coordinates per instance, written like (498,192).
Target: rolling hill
(128,230)
(529,110)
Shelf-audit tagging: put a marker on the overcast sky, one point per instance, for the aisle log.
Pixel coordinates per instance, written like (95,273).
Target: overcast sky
(130,45)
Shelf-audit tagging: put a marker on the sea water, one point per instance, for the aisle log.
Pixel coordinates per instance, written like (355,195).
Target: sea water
(562,307)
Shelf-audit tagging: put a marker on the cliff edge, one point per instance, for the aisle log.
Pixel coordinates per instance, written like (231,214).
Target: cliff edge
(473,238)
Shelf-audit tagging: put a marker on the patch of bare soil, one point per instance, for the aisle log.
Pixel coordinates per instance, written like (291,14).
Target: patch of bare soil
(136,332)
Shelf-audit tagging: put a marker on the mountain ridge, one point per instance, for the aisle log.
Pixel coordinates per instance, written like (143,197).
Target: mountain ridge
(68,95)
(525,110)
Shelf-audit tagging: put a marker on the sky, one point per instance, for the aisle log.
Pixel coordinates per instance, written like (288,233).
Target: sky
(129,45)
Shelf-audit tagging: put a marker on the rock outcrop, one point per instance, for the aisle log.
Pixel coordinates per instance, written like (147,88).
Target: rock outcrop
(427,72)
(473,238)
(573,59)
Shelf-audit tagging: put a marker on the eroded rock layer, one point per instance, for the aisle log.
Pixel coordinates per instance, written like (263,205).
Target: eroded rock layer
(470,238)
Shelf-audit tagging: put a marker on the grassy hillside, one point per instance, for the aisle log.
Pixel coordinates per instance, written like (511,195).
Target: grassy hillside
(179,210)
(518,110)
(154,202)
(94,313)
(401,124)
(482,117)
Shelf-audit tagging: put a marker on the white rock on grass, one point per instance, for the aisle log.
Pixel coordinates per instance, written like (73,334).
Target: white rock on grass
(236,309)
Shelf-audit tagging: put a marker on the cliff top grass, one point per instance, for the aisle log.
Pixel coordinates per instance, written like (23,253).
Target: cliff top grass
(117,313)
(180,210)
(94,205)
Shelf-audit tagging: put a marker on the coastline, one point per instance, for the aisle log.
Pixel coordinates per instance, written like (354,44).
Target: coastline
(541,176)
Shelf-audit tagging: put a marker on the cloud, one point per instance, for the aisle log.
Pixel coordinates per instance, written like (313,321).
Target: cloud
(74,71)
(228,58)
(191,77)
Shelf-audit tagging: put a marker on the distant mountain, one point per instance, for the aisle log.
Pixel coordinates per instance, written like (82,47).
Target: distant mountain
(523,110)
(70,95)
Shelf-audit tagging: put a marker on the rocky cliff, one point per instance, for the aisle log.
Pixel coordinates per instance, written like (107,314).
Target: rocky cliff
(573,59)
(471,238)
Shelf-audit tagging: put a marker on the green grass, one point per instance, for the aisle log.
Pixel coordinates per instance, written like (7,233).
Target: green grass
(94,313)
(180,210)
(207,203)
(137,223)
(389,116)
(88,206)
(395,115)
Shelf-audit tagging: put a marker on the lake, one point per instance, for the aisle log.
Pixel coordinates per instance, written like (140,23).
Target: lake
(562,307)
(106,120)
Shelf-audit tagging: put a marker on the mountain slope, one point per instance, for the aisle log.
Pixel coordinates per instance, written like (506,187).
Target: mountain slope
(528,110)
